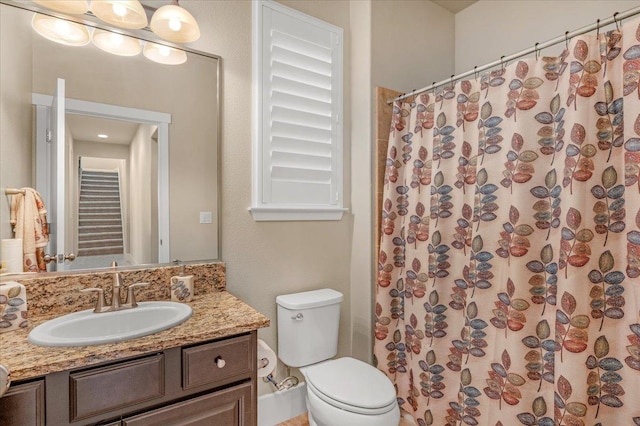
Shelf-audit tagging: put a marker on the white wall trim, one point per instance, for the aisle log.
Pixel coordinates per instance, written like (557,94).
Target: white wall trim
(117,112)
(278,213)
(276,407)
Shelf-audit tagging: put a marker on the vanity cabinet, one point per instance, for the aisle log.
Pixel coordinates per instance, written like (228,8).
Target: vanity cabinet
(23,404)
(208,383)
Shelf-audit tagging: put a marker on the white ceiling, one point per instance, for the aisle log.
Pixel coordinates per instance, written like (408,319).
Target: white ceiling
(454,6)
(85,128)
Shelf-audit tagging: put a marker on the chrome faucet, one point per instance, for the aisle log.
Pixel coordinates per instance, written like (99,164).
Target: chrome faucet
(117,303)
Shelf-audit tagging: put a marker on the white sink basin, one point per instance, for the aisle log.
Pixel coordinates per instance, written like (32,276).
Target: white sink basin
(88,328)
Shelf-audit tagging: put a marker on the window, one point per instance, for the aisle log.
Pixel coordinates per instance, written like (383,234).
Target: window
(297,141)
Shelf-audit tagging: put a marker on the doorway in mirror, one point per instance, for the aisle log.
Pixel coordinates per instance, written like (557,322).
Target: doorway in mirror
(109,166)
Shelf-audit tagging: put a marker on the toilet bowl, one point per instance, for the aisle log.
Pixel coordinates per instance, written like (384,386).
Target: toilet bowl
(346,391)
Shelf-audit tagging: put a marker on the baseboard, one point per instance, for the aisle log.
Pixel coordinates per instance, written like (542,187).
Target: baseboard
(276,407)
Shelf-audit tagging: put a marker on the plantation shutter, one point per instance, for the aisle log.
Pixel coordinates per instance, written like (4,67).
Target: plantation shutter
(299,136)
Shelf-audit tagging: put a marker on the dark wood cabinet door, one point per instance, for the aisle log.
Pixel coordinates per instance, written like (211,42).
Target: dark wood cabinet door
(105,389)
(23,405)
(228,407)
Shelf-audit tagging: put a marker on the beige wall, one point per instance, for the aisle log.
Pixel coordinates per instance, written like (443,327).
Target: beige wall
(489,29)
(15,110)
(361,266)
(412,44)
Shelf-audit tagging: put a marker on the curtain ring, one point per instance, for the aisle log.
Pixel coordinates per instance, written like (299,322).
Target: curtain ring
(598,28)
(566,39)
(537,51)
(433,88)
(475,72)
(616,21)
(451,80)
(502,62)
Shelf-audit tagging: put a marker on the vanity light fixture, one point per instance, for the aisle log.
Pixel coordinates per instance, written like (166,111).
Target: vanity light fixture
(174,23)
(72,7)
(164,54)
(121,13)
(115,43)
(60,31)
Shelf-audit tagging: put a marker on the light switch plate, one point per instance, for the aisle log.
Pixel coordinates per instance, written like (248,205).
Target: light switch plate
(206,217)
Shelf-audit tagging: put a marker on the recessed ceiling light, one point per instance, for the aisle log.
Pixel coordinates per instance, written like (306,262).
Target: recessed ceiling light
(103,136)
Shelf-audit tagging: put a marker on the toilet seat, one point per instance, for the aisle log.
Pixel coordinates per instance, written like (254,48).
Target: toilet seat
(351,385)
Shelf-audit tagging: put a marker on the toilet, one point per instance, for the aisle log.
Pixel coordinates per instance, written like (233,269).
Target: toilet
(343,391)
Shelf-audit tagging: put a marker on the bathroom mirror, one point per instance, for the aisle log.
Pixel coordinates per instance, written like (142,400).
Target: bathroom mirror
(174,213)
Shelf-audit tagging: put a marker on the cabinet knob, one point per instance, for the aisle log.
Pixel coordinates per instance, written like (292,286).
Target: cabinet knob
(220,362)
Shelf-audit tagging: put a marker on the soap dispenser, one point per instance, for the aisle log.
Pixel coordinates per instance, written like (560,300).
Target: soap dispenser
(182,287)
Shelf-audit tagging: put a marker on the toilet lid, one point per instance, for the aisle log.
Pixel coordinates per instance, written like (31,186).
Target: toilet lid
(351,382)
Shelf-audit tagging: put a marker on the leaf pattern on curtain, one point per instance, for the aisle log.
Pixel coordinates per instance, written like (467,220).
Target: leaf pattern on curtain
(508,284)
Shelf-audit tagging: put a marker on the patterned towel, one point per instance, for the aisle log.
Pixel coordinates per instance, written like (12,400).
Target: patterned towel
(29,218)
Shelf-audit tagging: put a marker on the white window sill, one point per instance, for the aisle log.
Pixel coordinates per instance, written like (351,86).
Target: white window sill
(273,214)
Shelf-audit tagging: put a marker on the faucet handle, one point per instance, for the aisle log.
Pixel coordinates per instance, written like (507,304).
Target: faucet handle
(100,302)
(131,297)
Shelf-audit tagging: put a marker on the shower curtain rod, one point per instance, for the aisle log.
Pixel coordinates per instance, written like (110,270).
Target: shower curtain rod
(617,17)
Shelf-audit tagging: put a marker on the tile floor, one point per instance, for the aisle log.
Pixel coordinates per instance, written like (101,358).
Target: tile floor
(301,420)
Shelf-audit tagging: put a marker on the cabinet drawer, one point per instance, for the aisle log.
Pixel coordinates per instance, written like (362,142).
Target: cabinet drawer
(217,361)
(228,407)
(121,385)
(23,405)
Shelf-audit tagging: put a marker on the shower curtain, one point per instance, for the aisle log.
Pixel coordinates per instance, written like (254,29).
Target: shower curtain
(508,287)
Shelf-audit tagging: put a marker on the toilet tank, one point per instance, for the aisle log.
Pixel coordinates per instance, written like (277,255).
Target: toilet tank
(308,326)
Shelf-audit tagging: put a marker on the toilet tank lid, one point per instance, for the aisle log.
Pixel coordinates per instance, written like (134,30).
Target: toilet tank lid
(310,299)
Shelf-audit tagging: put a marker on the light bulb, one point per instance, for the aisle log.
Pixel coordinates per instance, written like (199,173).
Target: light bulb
(164,51)
(175,24)
(164,54)
(116,39)
(119,9)
(62,27)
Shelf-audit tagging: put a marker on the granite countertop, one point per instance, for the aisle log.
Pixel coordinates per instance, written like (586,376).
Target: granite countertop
(216,314)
